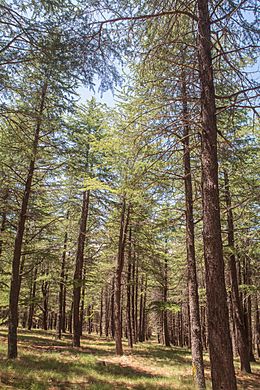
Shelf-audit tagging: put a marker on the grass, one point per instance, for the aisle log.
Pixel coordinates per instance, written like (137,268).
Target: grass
(45,363)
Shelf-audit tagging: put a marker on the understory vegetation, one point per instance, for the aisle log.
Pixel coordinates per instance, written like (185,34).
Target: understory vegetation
(46,363)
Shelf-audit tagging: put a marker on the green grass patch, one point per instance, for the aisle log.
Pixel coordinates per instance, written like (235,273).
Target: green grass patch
(45,363)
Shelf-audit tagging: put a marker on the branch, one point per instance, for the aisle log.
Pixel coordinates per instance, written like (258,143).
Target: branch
(151,16)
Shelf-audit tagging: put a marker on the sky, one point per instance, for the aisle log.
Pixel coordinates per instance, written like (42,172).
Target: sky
(108,98)
(86,94)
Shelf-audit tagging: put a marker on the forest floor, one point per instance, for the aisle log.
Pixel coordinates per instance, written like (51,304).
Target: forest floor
(45,363)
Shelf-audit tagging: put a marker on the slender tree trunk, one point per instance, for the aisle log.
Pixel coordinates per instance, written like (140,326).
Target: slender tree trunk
(221,359)
(14,289)
(248,308)
(128,305)
(83,299)
(250,338)
(101,313)
(2,229)
(45,294)
(63,324)
(112,321)
(144,316)
(118,277)
(61,313)
(195,328)
(78,269)
(136,286)
(238,311)
(141,309)
(165,299)
(107,311)
(180,328)
(257,327)
(32,300)
(133,297)
(70,319)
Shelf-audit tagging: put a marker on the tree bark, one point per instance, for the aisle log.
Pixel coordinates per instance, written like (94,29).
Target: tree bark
(77,281)
(165,312)
(112,320)
(45,294)
(118,276)
(2,228)
(15,284)
(194,311)
(257,327)
(136,290)
(83,298)
(107,310)
(101,313)
(242,340)
(32,300)
(128,305)
(141,310)
(133,297)
(221,359)
(61,313)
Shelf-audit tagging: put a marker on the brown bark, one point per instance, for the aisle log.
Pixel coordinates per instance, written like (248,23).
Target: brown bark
(64,322)
(45,307)
(221,359)
(242,340)
(77,281)
(128,304)
(101,315)
(83,299)
(107,311)
(144,317)
(195,328)
(2,229)
(136,296)
(165,312)
(15,284)
(257,327)
(124,219)
(133,297)
(112,319)
(32,300)
(61,313)
(141,310)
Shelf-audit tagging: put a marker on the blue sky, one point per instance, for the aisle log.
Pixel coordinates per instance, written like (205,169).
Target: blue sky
(86,94)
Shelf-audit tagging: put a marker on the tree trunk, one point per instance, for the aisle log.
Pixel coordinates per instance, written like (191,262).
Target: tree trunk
(32,300)
(195,328)
(136,289)
(2,228)
(61,313)
(45,294)
(83,299)
(221,359)
(101,315)
(257,327)
(242,340)
(107,310)
(133,297)
(144,317)
(77,281)
(118,277)
(141,310)
(112,321)
(15,285)
(165,312)
(128,305)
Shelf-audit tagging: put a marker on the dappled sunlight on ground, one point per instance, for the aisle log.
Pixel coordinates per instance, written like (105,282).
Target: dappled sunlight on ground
(45,363)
